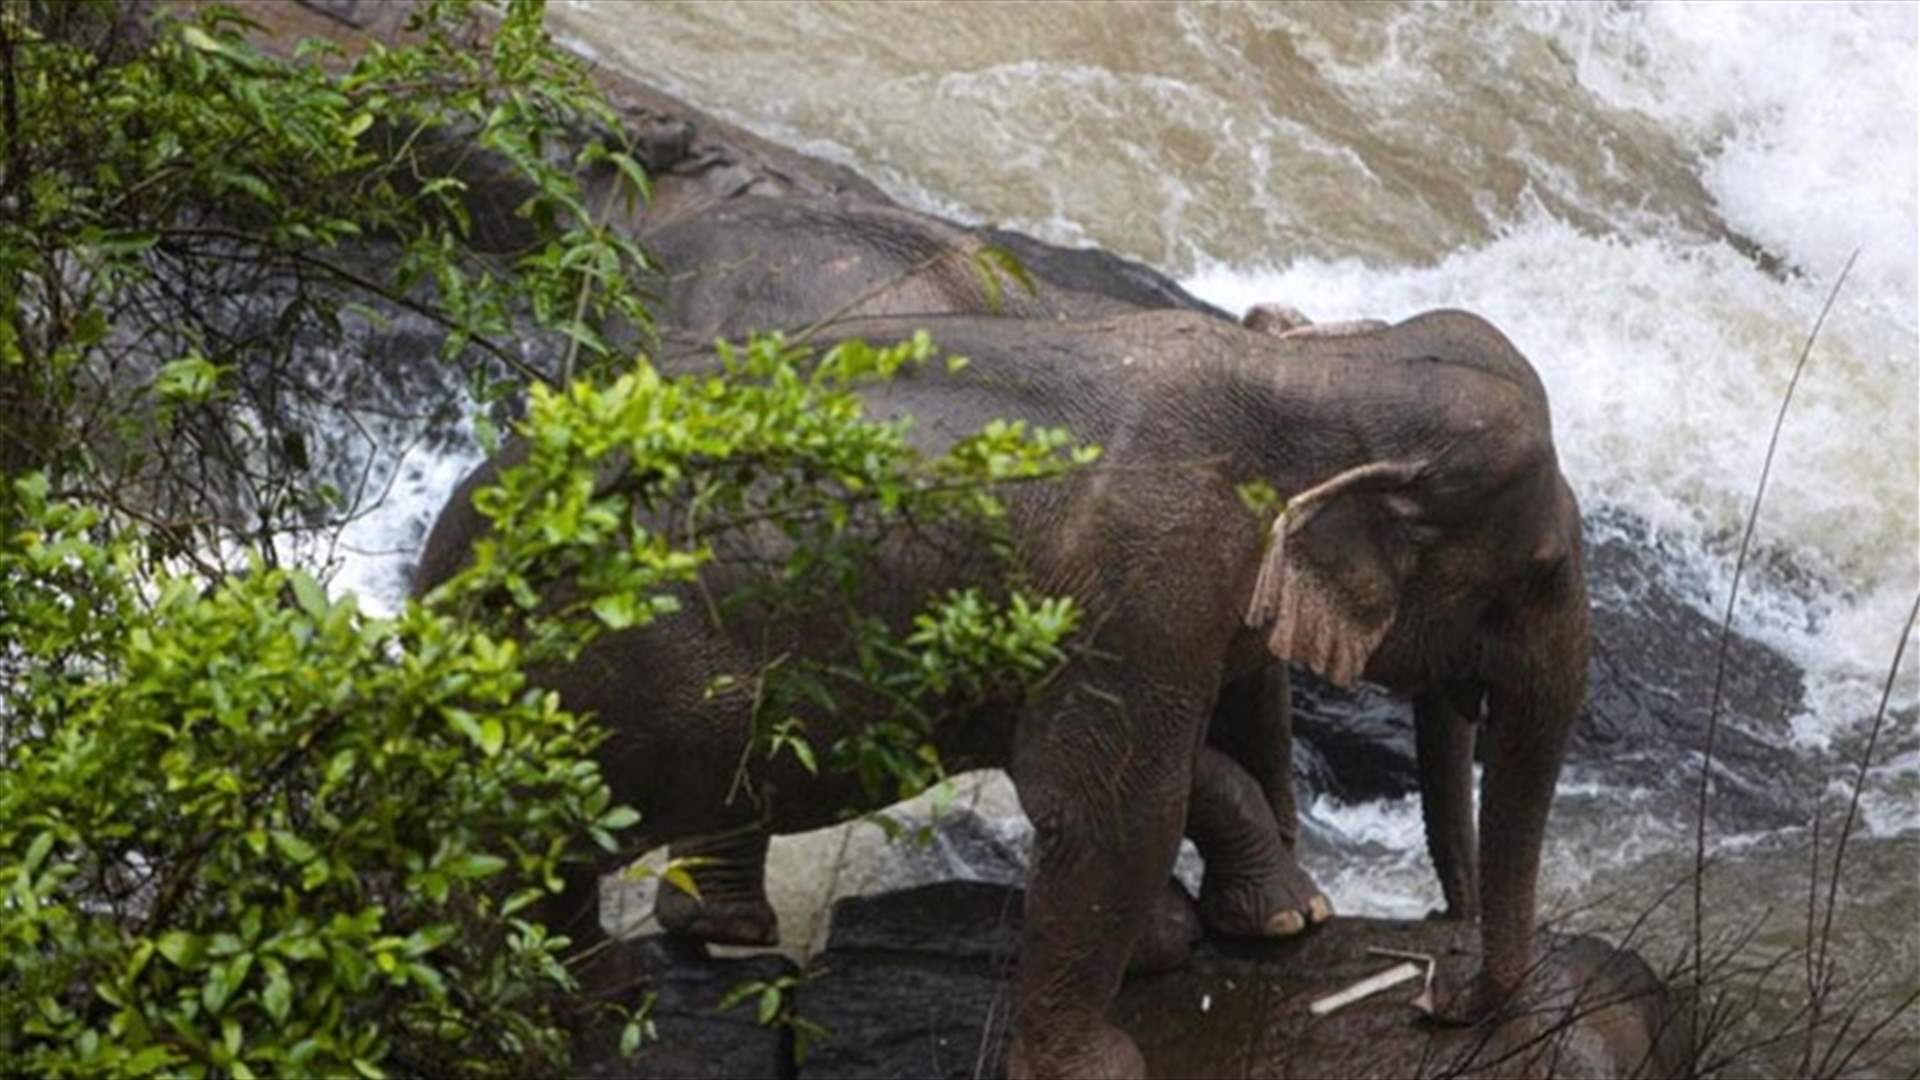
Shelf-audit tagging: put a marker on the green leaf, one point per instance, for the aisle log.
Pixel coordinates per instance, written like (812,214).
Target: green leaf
(36,854)
(190,379)
(616,610)
(277,997)
(148,1061)
(308,593)
(297,851)
(89,328)
(1259,497)
(137,963)
(476,865)
(184,950)
(493,735)
(620,817)
(675,874)
(988,263)
(769,1006)
(315,874)
(428,938)
(199,39)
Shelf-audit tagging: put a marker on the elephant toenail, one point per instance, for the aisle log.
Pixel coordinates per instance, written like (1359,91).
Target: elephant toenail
(1285,924)
(1319,909)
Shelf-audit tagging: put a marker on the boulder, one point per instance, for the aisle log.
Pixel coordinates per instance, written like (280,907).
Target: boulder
(697,1040)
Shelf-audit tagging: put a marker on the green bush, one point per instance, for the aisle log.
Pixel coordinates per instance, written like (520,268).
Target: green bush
(253,830)
(247,828)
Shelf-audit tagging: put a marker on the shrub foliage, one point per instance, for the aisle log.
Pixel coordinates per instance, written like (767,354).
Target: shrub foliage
(247,827)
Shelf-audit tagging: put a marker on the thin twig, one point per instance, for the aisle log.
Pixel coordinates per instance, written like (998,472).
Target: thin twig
(1726,626)
(360,281)
(1815,991)
(1846,827)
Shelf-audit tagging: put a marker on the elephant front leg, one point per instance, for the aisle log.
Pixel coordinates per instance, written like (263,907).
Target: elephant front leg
(1525,743)
(1107,799)
(1444,721)
(732,908)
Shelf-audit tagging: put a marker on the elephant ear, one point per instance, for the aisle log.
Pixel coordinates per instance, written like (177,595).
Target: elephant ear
(1331,580)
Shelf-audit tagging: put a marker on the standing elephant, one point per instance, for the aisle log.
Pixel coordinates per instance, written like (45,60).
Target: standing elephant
(1428,543)
(754,262)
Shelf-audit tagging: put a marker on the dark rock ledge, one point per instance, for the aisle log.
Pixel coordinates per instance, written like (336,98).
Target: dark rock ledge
(919,983)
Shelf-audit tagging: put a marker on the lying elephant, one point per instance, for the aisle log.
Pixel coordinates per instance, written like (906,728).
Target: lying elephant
(1428,544)
(762,263)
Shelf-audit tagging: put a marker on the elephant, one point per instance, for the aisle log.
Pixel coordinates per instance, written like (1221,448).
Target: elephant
(1428,543)
(1285,320)
(1253,720)
(763,263)
(1252,887)
(753,262)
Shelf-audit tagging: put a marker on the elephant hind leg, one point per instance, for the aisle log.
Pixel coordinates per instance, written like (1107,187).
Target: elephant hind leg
(1253,886)
(731,908)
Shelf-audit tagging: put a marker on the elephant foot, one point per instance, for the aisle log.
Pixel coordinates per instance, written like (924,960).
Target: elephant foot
(1463,931)
(1464,1003)
(1167,941)
(717,920)
(1103,1052)
(1281,902)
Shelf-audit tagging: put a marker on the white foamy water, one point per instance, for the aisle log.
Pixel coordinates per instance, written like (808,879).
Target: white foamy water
(375,554)
(1806,112)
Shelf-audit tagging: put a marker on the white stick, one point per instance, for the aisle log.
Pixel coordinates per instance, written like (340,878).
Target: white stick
(1366,988)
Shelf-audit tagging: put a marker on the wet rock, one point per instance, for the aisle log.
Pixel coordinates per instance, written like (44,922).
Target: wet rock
(1355,745)
(1241,1009)
(955,919)
(1650,689)
(920,983)
(1649,693)
(916,983)
(696,1039)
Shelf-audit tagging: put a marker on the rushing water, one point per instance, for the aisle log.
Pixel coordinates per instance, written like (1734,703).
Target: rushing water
(1651,200)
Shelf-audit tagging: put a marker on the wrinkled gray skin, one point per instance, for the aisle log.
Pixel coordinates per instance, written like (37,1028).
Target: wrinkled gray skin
(1430,546)
(760,263)
(755,263)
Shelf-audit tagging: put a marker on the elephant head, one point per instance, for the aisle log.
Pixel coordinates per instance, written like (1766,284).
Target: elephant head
(1443,561)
